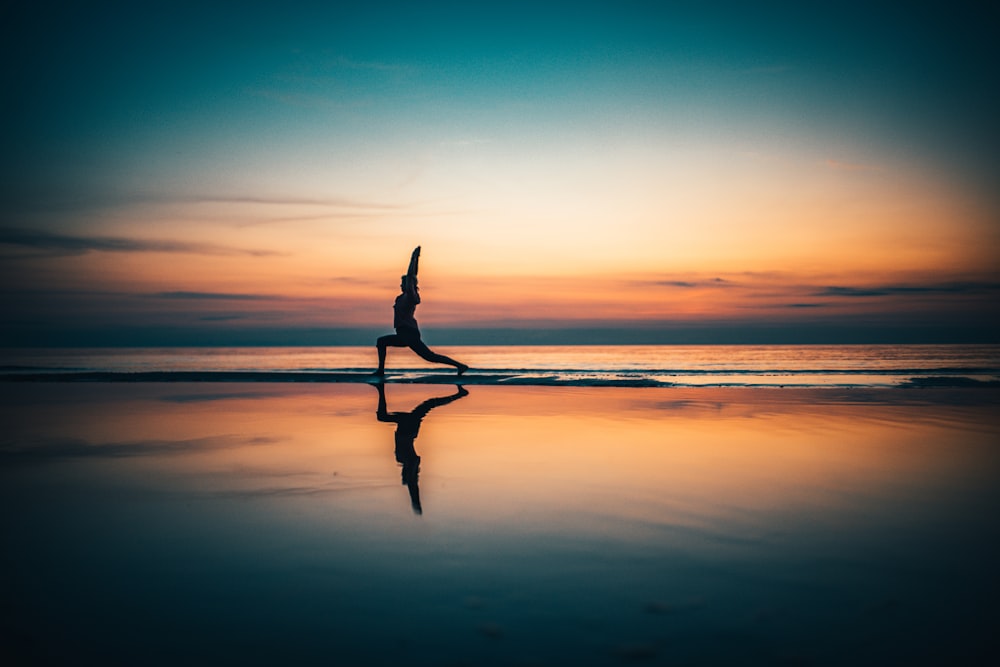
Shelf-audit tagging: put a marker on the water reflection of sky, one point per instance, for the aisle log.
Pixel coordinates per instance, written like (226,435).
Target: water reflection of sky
(258,523)
(617,365)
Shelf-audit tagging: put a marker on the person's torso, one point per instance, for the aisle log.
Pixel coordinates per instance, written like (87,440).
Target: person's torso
(403,310)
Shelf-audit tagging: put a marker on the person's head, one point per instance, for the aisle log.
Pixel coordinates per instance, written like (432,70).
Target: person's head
(404,282)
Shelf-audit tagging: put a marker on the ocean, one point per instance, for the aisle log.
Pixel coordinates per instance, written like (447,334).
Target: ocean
(604,365)
(702,505)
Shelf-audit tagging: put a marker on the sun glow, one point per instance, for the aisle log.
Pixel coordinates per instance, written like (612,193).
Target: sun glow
(633,184)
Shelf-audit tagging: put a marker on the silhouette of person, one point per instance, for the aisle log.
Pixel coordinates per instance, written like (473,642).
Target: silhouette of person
(407,333)
(407,428)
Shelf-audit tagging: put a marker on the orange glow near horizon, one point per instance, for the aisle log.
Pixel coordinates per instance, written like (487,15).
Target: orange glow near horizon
(724,240)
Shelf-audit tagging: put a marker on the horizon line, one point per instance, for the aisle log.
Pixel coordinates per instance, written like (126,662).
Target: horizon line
(745,334)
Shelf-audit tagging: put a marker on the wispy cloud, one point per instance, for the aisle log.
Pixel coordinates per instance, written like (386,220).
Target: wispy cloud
(50,243)
(73,200)
(887,290)
(690,284)
(252,210)
(330,202)
(351,280)
(222,318)
(236,209)
(215,296)
(850,291)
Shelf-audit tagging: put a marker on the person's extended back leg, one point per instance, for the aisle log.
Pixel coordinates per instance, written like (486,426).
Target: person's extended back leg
(427,354)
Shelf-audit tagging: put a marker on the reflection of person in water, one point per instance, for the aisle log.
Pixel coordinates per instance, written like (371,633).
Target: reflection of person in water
(407,333)
(407,427)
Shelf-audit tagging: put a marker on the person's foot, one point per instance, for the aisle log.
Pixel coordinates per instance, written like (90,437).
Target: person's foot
(462,368)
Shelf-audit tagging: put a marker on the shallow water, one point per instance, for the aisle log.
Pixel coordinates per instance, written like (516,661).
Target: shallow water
(678,365)
(262,523)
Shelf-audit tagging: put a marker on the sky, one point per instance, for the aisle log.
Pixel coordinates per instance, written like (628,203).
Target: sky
(253,173)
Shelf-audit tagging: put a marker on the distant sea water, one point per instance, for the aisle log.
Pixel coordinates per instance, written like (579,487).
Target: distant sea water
(610,365)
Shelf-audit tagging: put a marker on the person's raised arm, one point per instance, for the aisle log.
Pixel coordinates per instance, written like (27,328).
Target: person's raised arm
(411,272)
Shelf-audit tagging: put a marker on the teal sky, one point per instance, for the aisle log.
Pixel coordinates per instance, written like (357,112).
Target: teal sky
(152,86)
(128,118)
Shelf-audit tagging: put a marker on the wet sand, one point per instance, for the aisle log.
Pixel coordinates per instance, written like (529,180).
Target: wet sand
(222,523)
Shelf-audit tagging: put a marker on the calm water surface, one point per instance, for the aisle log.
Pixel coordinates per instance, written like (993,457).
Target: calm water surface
(282,523)
(685,365)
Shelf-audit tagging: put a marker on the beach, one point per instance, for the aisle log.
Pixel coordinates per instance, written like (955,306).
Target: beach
(461,335)
(304,523)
